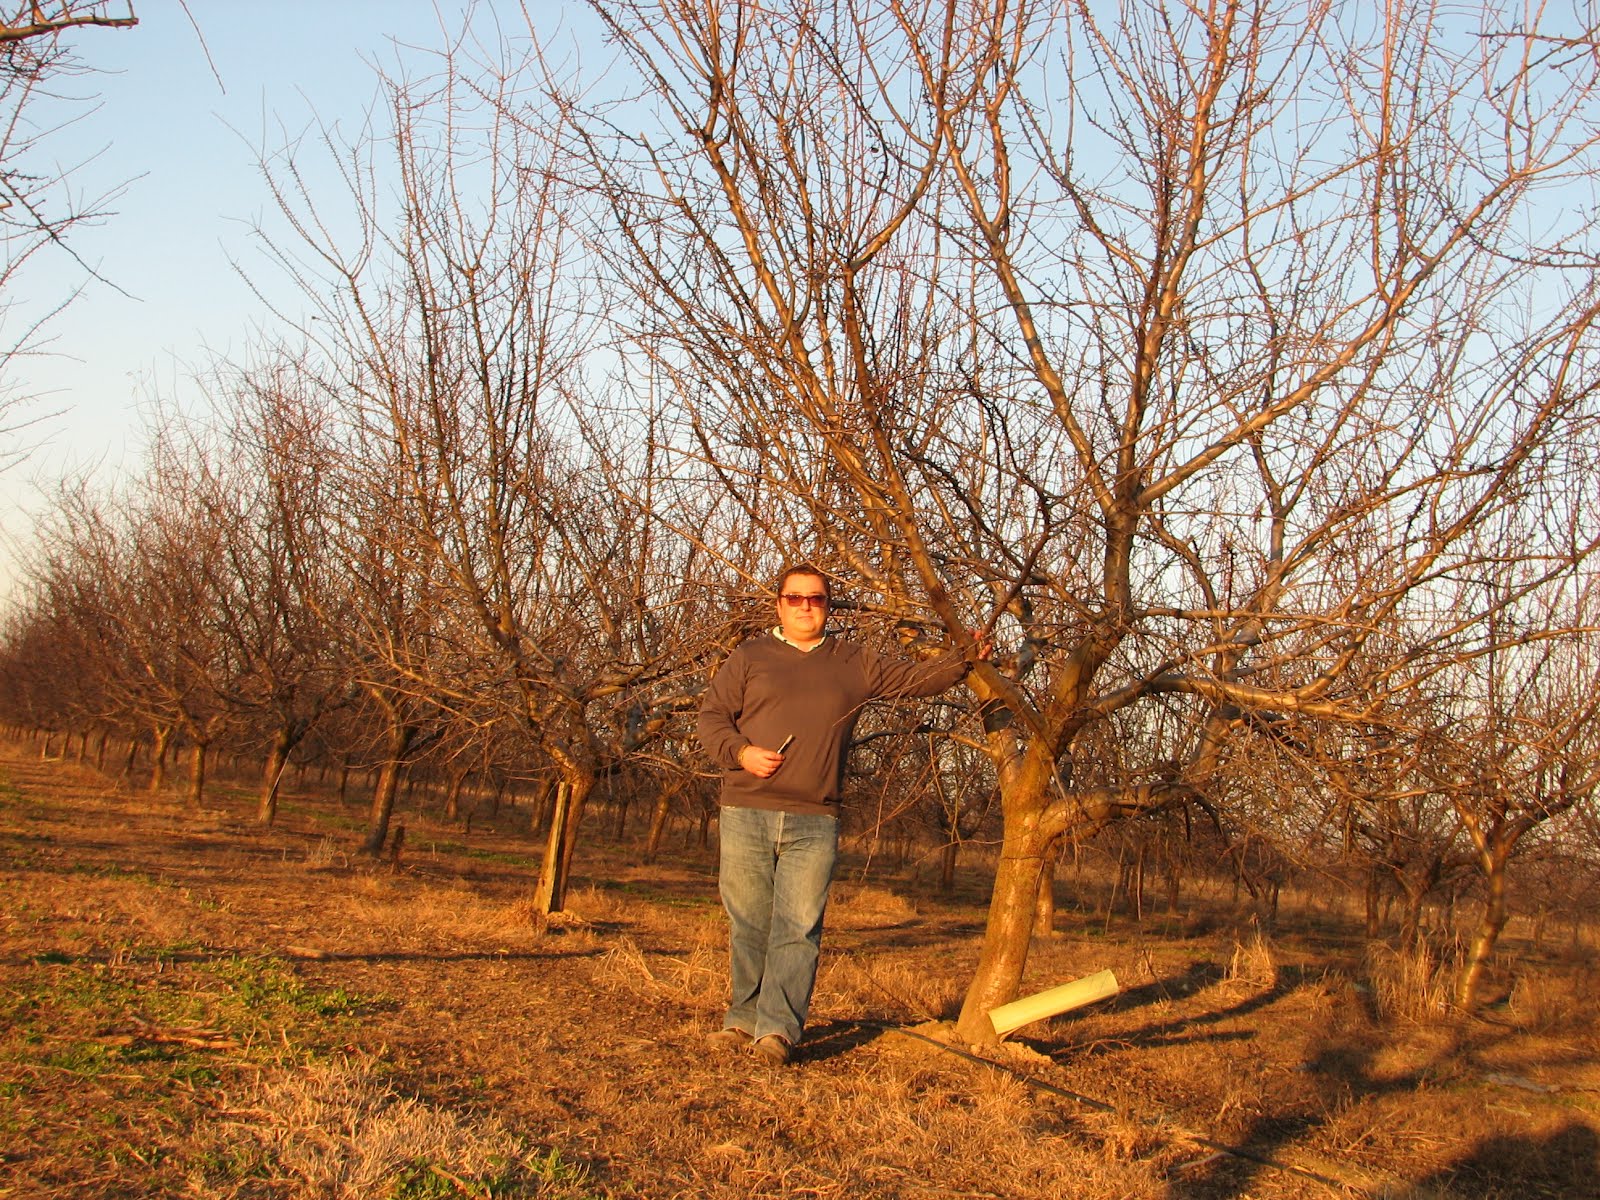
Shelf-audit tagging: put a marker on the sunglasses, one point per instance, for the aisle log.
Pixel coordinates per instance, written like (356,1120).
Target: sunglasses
(795,600)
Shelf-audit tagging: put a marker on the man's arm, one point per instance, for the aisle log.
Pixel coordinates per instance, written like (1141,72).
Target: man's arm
(717,726)
(906,677)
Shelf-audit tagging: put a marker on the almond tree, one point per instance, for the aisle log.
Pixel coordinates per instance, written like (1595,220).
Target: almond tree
(264,485)
(1184,345)
(451,337)
(139,573)
(1514,748)
(39,205)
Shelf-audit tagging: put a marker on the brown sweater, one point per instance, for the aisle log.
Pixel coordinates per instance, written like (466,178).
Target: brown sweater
(768,689)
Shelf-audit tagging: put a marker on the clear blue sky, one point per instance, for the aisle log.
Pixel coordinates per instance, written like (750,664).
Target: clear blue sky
(179,113)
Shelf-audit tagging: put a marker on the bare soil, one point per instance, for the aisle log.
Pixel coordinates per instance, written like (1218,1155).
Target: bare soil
(192,1005)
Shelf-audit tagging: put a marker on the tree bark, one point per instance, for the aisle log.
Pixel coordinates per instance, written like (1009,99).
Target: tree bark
(1044,912)
(452,801)
(658,824)
(1495,913)
(947,866)
(272,775)
(550,893)
(197,773)
(158,758)
(1005,938)
(1012,907)
(399,741)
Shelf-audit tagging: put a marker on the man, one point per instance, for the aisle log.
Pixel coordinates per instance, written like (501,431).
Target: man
(777,718)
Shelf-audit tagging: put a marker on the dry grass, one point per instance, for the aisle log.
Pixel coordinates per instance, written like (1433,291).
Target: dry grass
(891,986)
(865,906)
(1253,965)
(336,1130)
(200,1007)
(1552,1001)
(326,853)
(696,981)
(1412,986)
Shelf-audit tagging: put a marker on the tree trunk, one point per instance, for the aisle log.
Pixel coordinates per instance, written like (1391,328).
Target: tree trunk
(550,893)
(1371,897)
(619,796)
(658,825)
(947,866)
(1494,920)
(382,808)
(541,804)
(1044,909)
(1136,893)
(1411,915)
(399,739)
(197,774)
(1009,930)
(452,800)
(158,759)
(581,787)
(272,775)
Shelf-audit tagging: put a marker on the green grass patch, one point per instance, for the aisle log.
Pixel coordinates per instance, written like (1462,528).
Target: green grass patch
(350,822)
(115,871)
(70,1015)
(81,1058)
(267,987)
(504,858)
(546,1173)
(10,793)
(657,896)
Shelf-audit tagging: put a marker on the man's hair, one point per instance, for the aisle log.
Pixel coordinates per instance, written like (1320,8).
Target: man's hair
(806,568)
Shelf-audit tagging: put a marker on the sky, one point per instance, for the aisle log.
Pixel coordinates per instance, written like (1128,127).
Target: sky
(175,110)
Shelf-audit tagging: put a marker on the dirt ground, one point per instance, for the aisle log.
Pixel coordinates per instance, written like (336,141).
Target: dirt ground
(192,1005)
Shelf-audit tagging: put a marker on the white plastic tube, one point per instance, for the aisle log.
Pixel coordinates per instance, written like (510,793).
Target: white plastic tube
(1054,1002)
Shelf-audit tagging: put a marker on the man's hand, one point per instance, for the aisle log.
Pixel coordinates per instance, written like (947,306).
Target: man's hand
(760,761)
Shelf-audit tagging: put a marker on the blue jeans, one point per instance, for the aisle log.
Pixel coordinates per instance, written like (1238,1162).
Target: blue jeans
(774,877)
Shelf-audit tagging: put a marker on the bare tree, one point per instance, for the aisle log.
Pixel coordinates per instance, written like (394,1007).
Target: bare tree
(1187,347)
(1515,748)
(264,484)
(138,571)
(453,333)
(37,207)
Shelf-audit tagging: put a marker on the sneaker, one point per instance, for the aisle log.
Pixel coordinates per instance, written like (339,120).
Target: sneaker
(775,1049)
(729,1039)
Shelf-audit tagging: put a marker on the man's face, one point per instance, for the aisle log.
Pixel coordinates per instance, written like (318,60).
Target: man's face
(803,608)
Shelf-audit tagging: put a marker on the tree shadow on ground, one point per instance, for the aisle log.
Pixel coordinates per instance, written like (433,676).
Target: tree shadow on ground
(1497,1167)
(829,1039)
(1178,1030)
(1563,1163)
